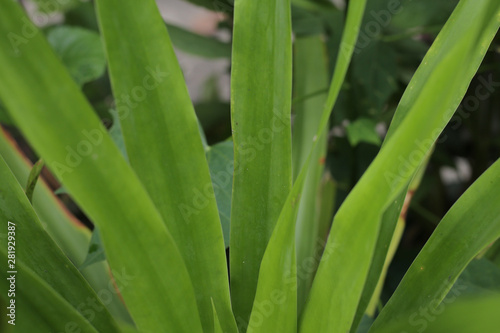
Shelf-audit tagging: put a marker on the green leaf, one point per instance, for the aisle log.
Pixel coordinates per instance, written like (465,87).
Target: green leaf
(61,190)
(153,102)
(311,74)
(494,253)
(365,324)
(78,150)
(69,233)
(390,233)
(381,252)
(220,162)
(261,88)
(391,224)
(471,315)
(47,310)
(363,130)
(115,132)
(80,50)
(4,116)
(275,305)
(469,226)
(278,271)
(126,328)
(33,178)
(480,278)
(95,252)
(217,327)
(327,198)
(448,69)
(190,42)
(36,254)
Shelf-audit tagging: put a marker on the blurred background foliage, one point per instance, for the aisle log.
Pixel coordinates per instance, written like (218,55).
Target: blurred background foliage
(393,41)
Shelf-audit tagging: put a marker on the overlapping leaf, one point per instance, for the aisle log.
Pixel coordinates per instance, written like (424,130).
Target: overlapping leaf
(67,232)
(59,123)
(278,272)
(39,261)
(261,88)
(311,70)
(153,104)
(470,225)
(448,69)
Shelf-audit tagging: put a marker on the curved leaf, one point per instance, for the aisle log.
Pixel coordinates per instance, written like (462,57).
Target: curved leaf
(153,105)
(80,50)
(220,161)
(278,273)
(204,46)
(311,75)
(261,89)
(471,315)
(47,310)
(471,224)
(449,67)
(38,253)
(78,150)
(69,234)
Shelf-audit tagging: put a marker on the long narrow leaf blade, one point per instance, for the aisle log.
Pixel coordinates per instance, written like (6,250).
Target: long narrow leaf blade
(33,247)
(195,44)
(68,233)
(470,315)
(163,143)
(311,75)
(471,225)
(261,88)
(59,123)
(454,58)
(278,272)
(38,307)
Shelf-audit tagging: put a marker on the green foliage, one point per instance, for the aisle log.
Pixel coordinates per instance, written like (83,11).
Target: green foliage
(199,45)
(80,51)
(363,130)
(95,251)
(220,160)
(33,178)
(159,95)
(293,223)
(260,118)
(479,277)
(44,271)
